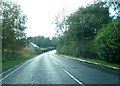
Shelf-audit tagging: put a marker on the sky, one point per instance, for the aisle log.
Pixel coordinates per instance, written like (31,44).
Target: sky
(41,14)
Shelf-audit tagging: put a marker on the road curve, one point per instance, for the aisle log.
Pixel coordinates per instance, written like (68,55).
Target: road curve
(49,68)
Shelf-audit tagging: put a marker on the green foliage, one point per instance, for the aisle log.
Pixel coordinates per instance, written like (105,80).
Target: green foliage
(92,33)
(108,41)
(85,22)
(13,26)
(9,60)
(83,25)
(54,41)
(7,55)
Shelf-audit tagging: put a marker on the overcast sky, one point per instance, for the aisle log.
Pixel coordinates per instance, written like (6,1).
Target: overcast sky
(41,14)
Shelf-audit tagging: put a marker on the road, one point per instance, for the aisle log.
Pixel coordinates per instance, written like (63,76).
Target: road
(49,68)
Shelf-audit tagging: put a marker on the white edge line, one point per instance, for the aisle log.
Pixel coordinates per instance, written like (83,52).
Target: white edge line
(15,70)
(73,77)
(116,68)
(15,66)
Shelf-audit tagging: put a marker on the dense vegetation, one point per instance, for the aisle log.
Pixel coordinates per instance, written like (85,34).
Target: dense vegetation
(108,41)
(13,27)
(91,32)
(12,22)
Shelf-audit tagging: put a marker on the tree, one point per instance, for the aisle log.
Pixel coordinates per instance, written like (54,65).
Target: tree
(54,41)
(85,22)
(108,41)
(60,22)
(13,26)
(82,26)
(115,6)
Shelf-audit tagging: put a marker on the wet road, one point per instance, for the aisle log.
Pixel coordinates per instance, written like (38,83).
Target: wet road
(49,68)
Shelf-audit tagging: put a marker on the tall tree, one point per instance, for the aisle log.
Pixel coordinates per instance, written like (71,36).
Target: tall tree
(60,21)
(83,25)
(13,26)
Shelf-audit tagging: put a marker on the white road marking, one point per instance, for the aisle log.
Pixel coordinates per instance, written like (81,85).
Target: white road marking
(73,77)
(56,63)
(116,68)
(15,70)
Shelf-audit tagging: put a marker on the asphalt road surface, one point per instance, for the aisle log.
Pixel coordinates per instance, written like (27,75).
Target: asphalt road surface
(49,68)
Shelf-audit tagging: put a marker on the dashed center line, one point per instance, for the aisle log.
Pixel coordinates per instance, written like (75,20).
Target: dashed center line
(79,82)
(56,63)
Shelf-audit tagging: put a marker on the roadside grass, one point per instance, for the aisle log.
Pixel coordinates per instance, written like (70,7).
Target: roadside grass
(103,63)
(100,62)
(11,63)
(11,60)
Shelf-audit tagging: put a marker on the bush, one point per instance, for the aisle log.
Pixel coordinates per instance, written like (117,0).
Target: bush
(108,41)
(8,55)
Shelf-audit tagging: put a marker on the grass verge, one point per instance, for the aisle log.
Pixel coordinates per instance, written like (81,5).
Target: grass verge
(13,62)
(10,59)
(93,61)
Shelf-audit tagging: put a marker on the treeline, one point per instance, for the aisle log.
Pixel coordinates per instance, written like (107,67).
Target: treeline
(91,32)
(44,43)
